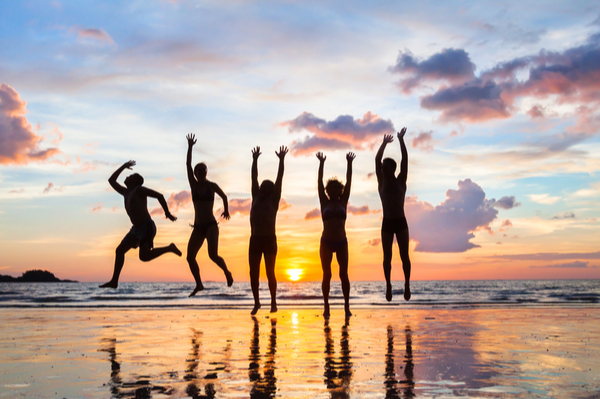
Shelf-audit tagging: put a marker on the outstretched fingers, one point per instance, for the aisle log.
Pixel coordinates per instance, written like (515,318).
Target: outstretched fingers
(129,164)
(350,156)
(282,151)
(401,133)
(388,138)
(191,138)
(256,152)
(320,156)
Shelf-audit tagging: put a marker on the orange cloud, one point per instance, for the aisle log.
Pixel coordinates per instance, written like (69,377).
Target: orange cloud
(312,214)
(18,143)
(175,201)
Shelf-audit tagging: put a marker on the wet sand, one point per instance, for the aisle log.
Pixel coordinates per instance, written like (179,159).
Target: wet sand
(162,353)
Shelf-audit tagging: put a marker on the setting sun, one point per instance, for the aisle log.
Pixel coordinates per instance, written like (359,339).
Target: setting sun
(294,274)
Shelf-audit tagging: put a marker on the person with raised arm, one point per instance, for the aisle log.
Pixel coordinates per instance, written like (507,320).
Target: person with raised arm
(263,214)
(334,203)
(143,231)
(205,225)
(392,191)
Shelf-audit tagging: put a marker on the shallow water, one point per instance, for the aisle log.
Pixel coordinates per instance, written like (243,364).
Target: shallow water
(451,294)
(391,353)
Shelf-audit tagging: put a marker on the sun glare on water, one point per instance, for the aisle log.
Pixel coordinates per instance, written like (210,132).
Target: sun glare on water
(294,274)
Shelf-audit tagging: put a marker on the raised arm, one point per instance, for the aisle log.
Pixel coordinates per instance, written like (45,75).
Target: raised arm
(221,194)
(388,138)
(403,175)
(349,158)
(255,154)
(113,178)
(278,182)
(320,186)
(191,139)
(161,200)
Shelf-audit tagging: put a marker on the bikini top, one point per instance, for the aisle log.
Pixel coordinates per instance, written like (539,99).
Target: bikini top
(207,195)
(337,213)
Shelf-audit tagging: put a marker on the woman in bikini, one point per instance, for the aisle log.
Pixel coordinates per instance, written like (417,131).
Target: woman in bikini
(334,201)
(205,225)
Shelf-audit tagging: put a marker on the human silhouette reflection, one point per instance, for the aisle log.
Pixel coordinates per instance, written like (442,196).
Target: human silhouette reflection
(141,388)
(115,367)
(263,386)
(391,383)
(192,364)
(338,375)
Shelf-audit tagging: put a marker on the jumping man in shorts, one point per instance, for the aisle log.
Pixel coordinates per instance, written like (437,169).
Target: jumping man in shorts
(392,191)
(143,231)
(263,213)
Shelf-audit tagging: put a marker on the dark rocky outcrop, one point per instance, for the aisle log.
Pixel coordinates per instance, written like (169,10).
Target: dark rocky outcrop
(34,276)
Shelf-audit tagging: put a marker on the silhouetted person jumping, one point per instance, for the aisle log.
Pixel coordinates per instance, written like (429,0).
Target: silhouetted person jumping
(205,225)
(143,231)
(392,191)
(263,214)
(333,239)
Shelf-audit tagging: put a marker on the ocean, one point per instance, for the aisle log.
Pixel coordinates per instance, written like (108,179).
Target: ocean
(364,294)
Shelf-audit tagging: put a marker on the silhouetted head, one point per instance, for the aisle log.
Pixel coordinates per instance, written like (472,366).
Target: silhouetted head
(388,167)
(134,180)
(266,188)
(200,171)
(334,188)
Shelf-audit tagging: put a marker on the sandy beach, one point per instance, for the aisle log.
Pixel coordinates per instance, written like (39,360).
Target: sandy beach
(158,353)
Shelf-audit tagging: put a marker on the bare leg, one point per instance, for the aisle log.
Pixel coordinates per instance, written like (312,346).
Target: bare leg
(212,238)
(147,254)
(254,260)
(326,257)
(387,239)
(403,240)
(342,258)
(270,266)
(125,245)
(194,245)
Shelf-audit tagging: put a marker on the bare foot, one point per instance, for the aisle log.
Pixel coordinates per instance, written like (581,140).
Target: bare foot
(256,307)
(326,313)
(273,307)
(199,287)
(348,314)
(229,278)
(406,291)
(110,284)
(174,249)
(388,292)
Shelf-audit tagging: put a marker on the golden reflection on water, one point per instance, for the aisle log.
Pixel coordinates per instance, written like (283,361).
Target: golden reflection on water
(378,353)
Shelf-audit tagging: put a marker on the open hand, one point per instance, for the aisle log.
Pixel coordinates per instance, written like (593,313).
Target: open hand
(129,164)
(225,215)
(320,156)
(388,138)
(401,133)
(256,152)
(191,138)
(282,151)
(350,156)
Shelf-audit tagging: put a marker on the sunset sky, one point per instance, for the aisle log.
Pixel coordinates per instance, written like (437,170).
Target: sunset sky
(500,100)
